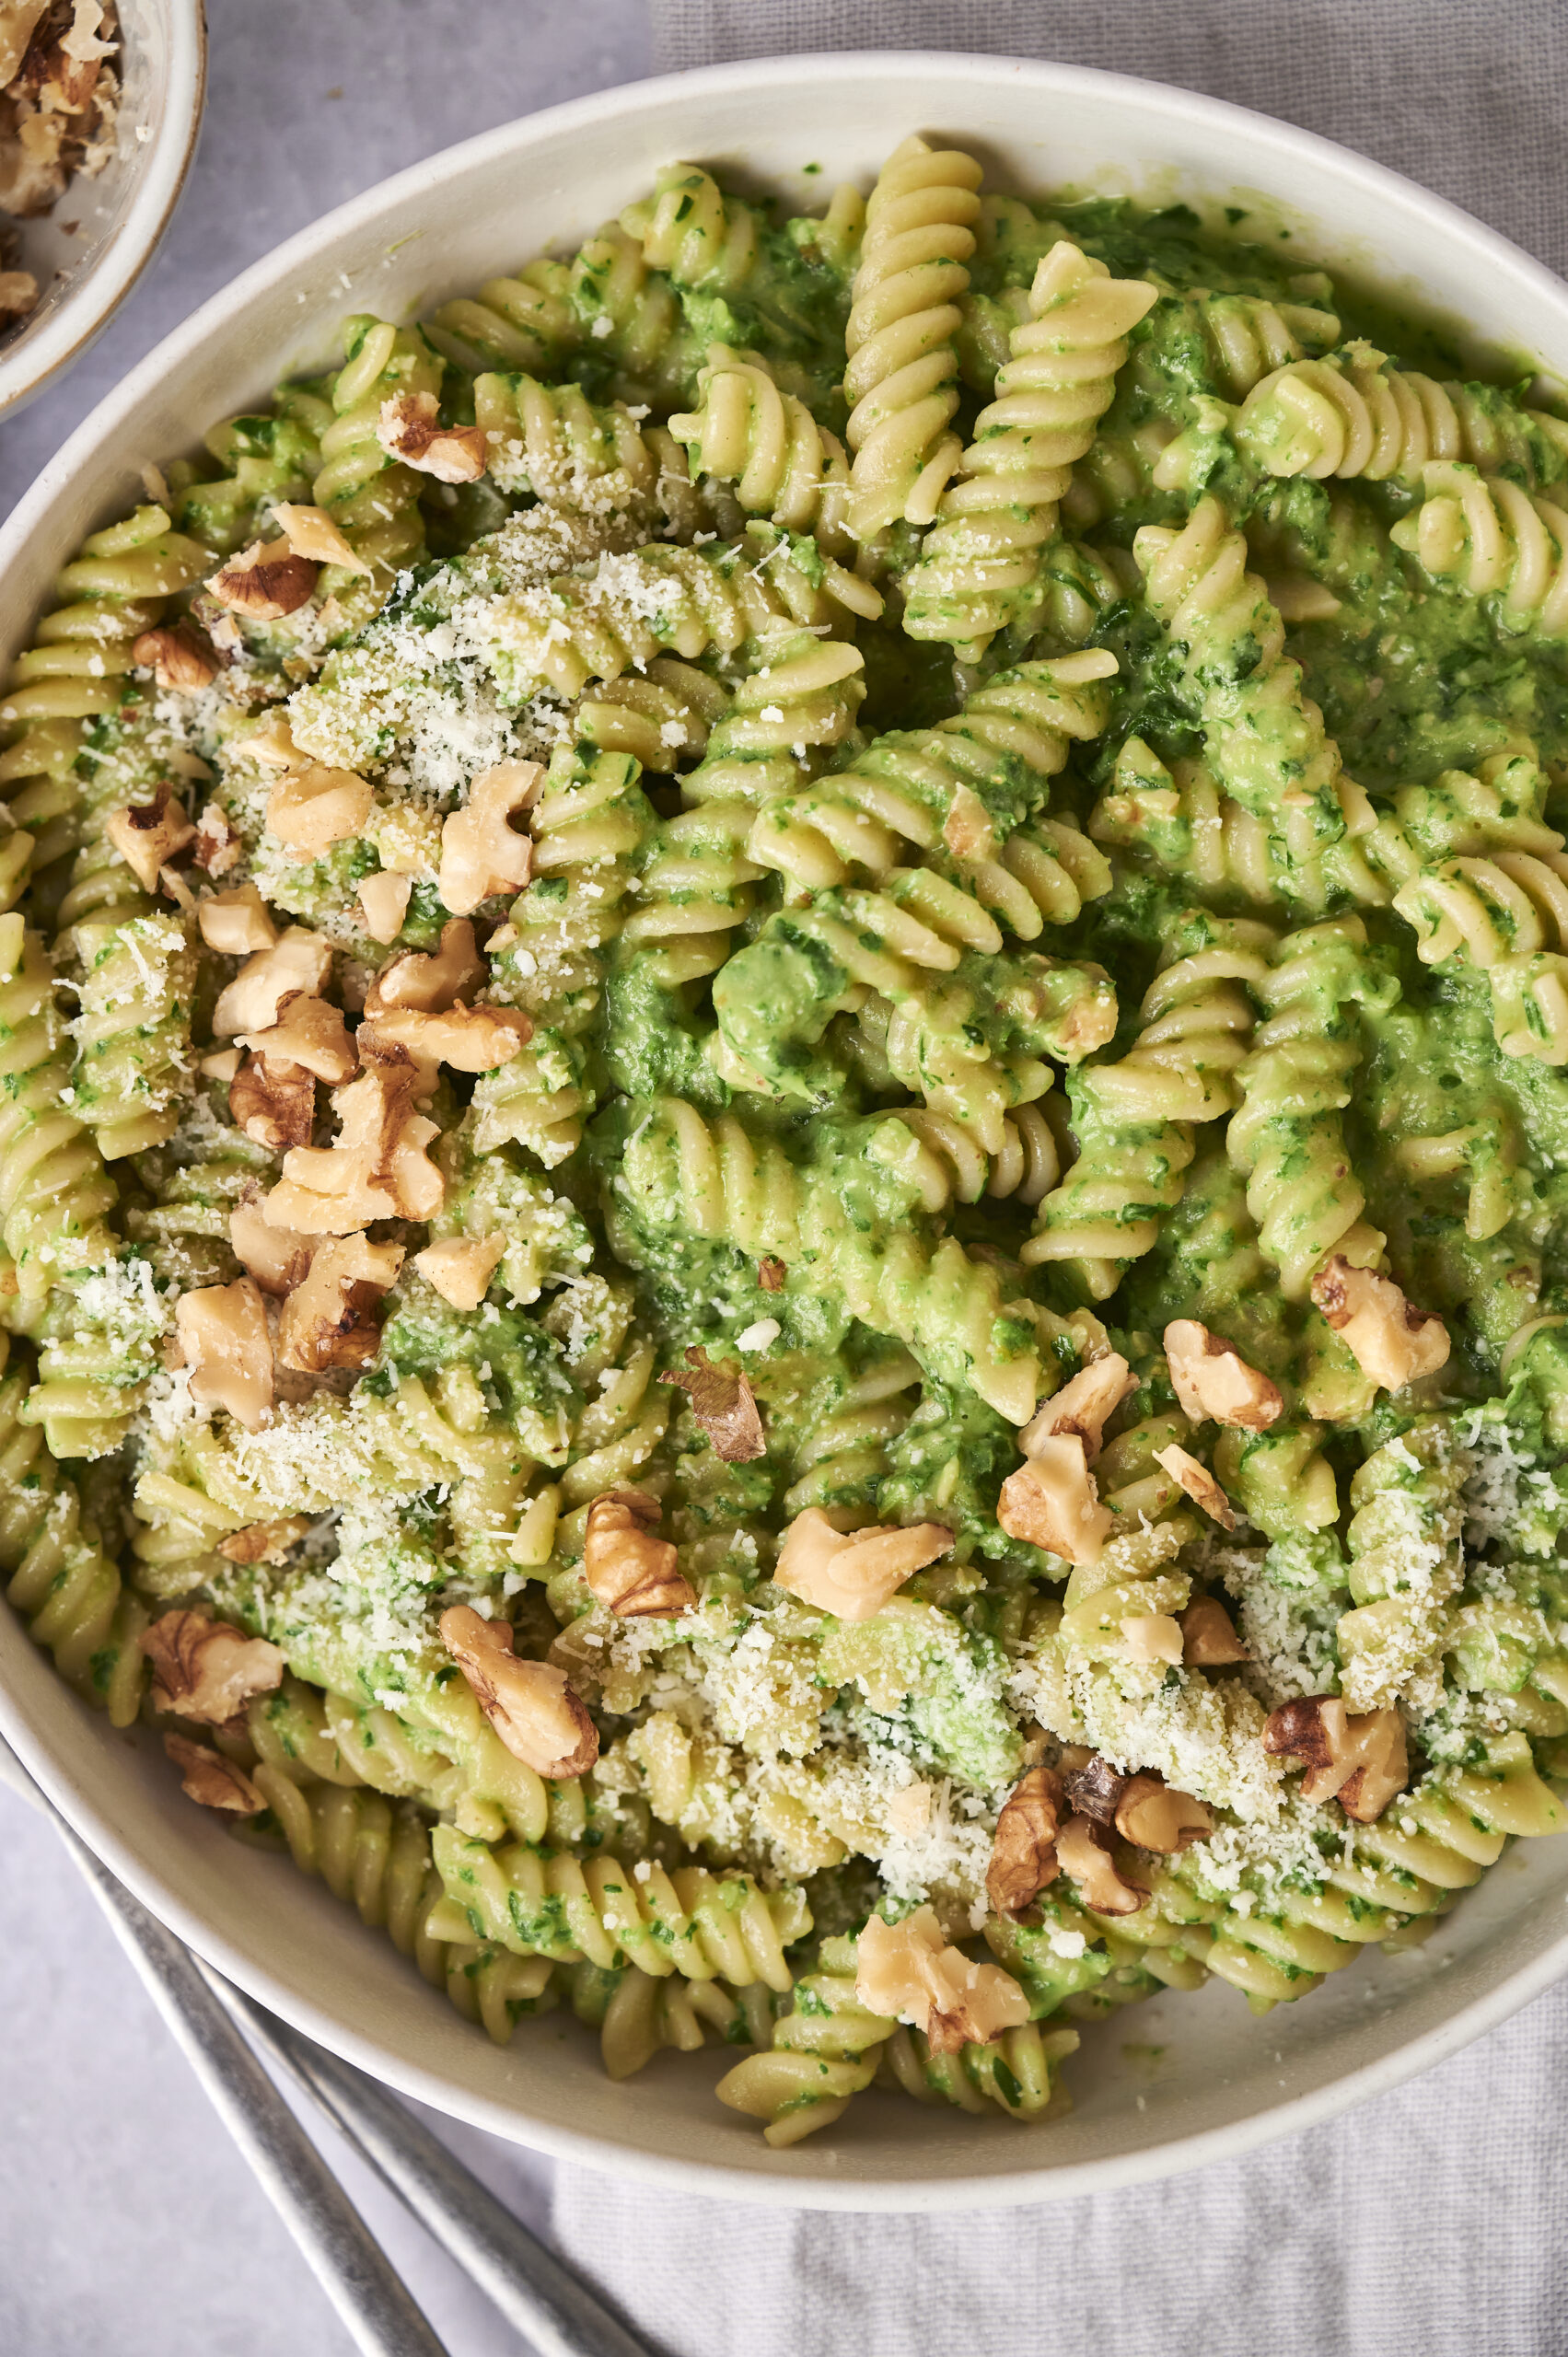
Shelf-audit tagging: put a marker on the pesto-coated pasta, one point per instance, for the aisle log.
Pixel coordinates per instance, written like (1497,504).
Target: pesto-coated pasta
(784,1132)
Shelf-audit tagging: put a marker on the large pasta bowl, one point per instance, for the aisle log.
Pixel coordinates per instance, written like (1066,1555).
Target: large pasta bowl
(1225,2079)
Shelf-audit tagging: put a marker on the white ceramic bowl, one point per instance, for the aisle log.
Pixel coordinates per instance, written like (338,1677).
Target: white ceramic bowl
(120,217)
(1224,2080)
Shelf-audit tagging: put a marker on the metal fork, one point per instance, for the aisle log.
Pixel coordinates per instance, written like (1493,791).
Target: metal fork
(525,2282)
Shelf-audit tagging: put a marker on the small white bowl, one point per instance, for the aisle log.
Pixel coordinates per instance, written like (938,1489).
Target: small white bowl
(1172,2084)
(85,273)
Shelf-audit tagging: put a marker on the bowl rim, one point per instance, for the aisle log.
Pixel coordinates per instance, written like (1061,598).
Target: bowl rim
(37,358)
(1531,283)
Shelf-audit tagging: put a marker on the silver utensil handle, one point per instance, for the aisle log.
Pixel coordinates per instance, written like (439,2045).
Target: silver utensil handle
(347,2261)
(518,2275)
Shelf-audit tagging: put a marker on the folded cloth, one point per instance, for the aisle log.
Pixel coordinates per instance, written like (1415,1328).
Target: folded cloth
(1430,2223)
(1468,97)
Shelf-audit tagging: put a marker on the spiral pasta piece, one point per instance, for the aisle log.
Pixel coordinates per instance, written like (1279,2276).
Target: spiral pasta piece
(525,322)
(947,1163)
(659,714)
(1249,337)
(59,1578)
(699,1924)
(588,824)
(900,377)
(1265,739)
(632,316)
(716,1179)
(684,601)
(843,1456)
(825,2050)
(1288,1137)
(1406,1561)
(1134,1119)
(263,461)
(131,1033)
(694,233)
(1016,2075)
(55,1191)
(694,885)
(372,497)
(919,788)
(980,565)
(748,431)
(552,441)
(76,674)
(1353,414)
(1491,539)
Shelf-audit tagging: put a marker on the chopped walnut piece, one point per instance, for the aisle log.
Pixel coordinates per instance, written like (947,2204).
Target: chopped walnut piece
(384,897)
(265,1542)
(311,808)
(1390,1339)
(271,743)
(148,834)
(218,848)
(529,1704)
(274,1104)
(723,1404)
(909,1811)
(1358,1758)
(626,1565)
(772,1274)
(264,583)
(1151,1636)
(467,1039)
(309,1032)
(206,1669)
(1208,1635)
(967,830)
(1094,1789)
(432,981)
(460,1267)
(222,1065)
(222,1329)
(276,1257)
(480,854)
(1153,1816)
(1050,1502)
(207,1776)
(312,533)
(378,1167)
(179,657)
(298,960)
(326,1320)
(410,428)
(907,1971)
(237,922)
(1023,1855)
(1084,1851)
(1082,1405)
(1211,1378)
(1199,1483)
(852,1573)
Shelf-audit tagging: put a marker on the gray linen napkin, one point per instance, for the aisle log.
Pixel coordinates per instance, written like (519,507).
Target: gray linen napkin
(1429,2224)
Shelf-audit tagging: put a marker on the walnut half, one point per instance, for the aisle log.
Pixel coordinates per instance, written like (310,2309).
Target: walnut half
(1082,1405)
(207,1669)
(264,583)
(148,834)
(626,1564)
(222,1331)
(907,1971)
(207,1776)
(408,427)
(326,1320)
(1213,1379)
(481,854)
(852,1573)
(1359,1759)
(529,1704)
(1051,1501)
(1143,1808)
(1023,1855)
(1084,1851)
(1390,1339)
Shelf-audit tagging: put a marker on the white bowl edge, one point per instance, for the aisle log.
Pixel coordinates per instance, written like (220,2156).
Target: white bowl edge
(119,1796)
